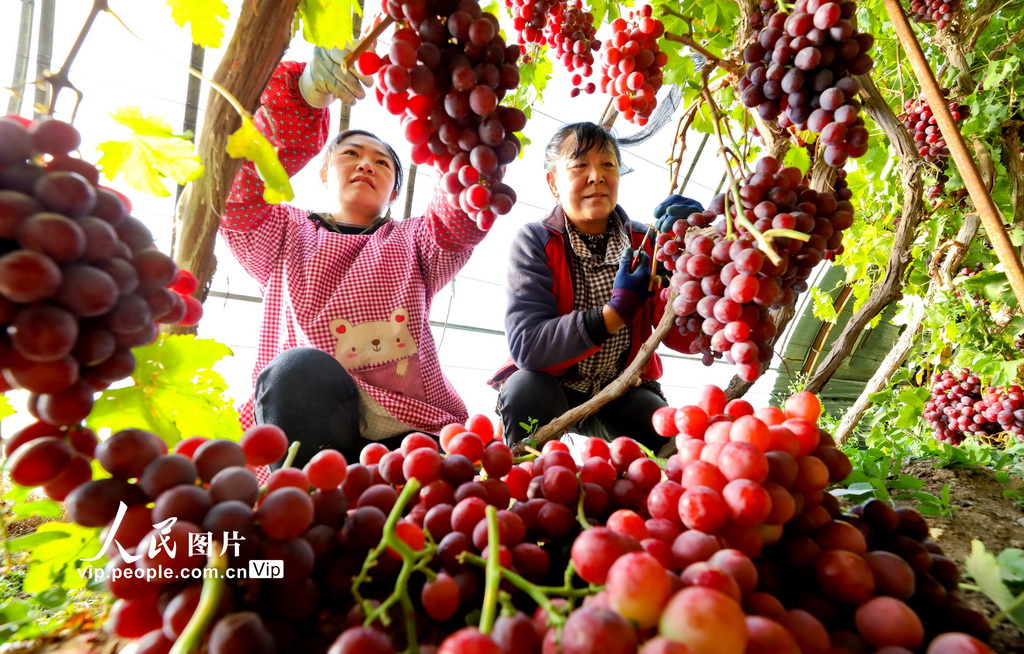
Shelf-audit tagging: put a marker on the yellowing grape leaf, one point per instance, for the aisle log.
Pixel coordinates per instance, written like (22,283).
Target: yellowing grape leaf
(176,394)
(57,558)
(207,18)
(327,22)
(248,143)
(5,407)
(151,155)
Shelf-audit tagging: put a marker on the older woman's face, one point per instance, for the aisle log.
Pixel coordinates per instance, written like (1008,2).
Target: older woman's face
(587,187)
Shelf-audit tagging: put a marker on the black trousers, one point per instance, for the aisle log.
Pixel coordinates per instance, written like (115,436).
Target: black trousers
(307,393)
(526,396)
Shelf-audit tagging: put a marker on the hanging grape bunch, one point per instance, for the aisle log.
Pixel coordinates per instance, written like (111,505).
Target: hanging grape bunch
(801,72)
(530,18)
(80,281)
(570,33)
(726,284)
(631,63)
(922,125)
(938,11)
(959,407)
(446,72)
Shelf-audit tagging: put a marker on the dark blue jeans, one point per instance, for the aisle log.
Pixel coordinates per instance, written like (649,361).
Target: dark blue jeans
(527,395)
(307,393)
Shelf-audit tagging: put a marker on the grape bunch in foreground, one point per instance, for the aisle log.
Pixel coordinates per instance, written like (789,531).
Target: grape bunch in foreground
(81,284)
(801,72)
(727,285)
(445,75)
(735,546)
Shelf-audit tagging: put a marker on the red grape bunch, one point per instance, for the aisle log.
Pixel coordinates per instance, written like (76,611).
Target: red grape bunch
(571,34)
(952,410)
(80,280)
(1004,407)
(446,72)
(938,11)
(923,126)
(801,72)
(726,286)
(631,63)
(734,547)
(530,18)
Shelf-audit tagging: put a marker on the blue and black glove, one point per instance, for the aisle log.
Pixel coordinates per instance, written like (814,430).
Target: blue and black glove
(672,209)
(632,287)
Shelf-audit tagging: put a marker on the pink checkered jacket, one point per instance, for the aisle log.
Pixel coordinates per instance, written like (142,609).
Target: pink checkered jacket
(338,292)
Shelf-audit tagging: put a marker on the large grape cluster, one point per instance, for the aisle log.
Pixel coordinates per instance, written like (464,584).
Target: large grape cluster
(939,12)
(734,547)
(951,409)
(960,406)
(567,27)
(572,36)
(445,74)
(727,285)
(801,72)
(631,63)
(80,281)
(923,127)
(1004,407)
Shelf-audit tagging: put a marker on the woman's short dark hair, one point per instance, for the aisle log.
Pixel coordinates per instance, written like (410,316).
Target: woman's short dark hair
(585,136)
(336,142)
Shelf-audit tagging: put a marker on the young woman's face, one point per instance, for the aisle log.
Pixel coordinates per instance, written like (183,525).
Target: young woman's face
(587,187)
(361,176)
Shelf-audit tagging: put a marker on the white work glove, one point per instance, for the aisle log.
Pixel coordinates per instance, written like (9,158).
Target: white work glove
(327,78)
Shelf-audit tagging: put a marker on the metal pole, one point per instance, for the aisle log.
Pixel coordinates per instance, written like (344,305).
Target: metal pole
(44,53)
(21,58)
(196,60)
(987,210)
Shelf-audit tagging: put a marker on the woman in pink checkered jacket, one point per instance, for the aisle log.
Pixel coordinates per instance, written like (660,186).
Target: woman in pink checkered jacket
(346,354)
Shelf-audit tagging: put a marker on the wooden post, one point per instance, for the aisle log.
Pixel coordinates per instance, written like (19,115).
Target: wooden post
(987,210)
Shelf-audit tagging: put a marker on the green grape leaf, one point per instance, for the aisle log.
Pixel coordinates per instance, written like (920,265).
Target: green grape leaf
(823,305)
(1011,564)
(6,408)
(40,508)
(206,16)
(1017,236)
(176,394)
(58,560)
(151,155)
(799,158)
(985,570)
(327,22)
(247,142)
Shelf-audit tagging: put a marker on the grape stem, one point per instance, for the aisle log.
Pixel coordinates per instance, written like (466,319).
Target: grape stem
(688,40)
(716,118)
(368,41)
(293,451)
(676,160)
(580,516)
(209,601)
(538,594)
(391,539)
(492,572)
